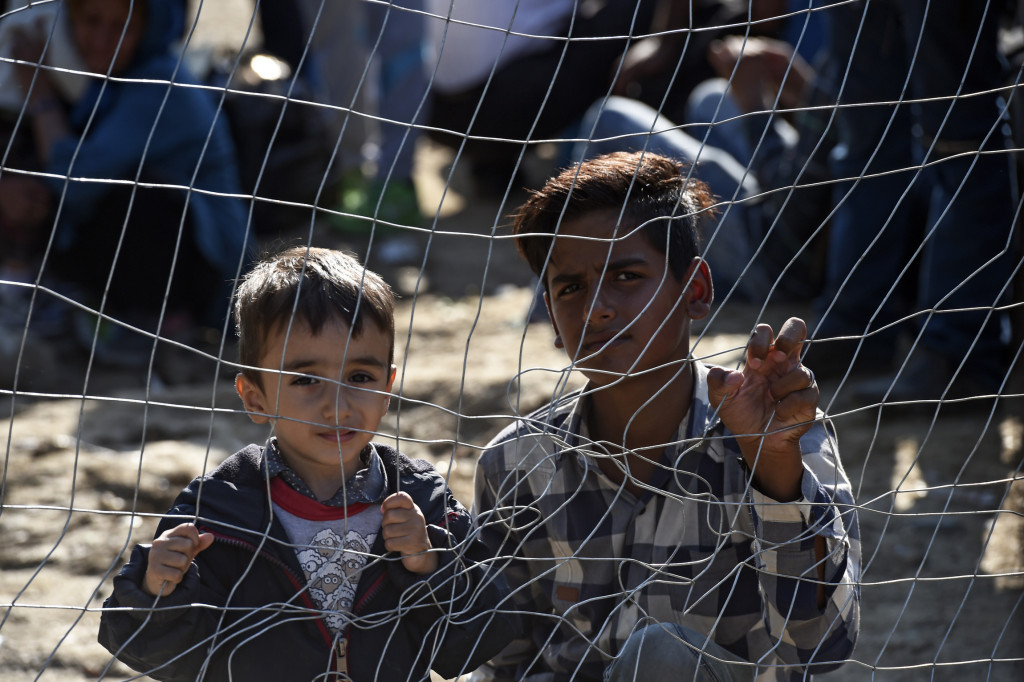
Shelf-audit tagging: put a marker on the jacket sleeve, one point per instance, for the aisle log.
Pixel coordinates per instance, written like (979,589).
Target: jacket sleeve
(176,636)
(465,598)
(788,566)
(164,637)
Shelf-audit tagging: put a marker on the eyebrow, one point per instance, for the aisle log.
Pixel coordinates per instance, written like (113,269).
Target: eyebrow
(301,364)
(626,263)
(613,265)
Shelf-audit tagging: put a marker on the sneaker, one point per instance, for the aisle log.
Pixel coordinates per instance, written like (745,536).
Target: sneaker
(361,200)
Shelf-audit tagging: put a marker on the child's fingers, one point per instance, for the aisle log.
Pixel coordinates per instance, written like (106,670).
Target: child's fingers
(722,382)
(205,540)
(174,553)
(169,561)
(188,532)
(797,395)
(171,556)
(397,522)
(759,346)
(184,540)
(406,540)
(798,406)
(404,529)
(399,500)
(799,379)
(791,336)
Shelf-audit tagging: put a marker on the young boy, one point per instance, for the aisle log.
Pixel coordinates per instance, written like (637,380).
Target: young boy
(671,520)
(322,555)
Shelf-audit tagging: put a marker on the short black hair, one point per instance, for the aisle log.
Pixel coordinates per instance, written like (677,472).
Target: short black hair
(648,190)
(319,285)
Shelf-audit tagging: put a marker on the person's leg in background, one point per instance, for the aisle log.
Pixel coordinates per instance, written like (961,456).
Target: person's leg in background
(666,651)
(539,95)
(873,228)
(964,141)
(395,45)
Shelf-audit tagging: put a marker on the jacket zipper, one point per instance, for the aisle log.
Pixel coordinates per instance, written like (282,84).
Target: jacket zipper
(295,579)
(341,649)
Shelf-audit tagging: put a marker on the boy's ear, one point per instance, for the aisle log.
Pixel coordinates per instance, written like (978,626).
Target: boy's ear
(700,291)
(554,325)
(252,398)
(391,382)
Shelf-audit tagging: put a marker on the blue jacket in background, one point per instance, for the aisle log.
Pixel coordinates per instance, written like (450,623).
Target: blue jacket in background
(163,131)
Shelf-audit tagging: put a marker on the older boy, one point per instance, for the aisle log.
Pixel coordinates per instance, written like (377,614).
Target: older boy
(322,555)
(671,520)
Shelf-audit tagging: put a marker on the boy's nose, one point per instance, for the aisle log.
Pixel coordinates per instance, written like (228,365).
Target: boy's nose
(338,406)
(599,307)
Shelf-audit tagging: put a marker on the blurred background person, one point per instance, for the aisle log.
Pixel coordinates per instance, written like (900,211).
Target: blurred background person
(924,221)
(513,71)
(136,202)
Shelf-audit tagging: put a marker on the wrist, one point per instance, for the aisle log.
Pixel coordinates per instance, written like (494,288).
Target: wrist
(154,591)
(421,563)
(775,471)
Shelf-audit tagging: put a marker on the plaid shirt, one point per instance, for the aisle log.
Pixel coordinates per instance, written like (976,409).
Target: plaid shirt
(589,563)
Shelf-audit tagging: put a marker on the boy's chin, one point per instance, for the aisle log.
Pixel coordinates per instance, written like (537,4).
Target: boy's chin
(613,376)
(599,377)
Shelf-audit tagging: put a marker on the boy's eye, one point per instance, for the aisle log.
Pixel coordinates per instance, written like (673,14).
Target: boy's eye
(304,381)
(362,378)
(625,276)
(568,289)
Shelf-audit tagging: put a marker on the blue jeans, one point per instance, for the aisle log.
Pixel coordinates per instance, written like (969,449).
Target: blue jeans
(754,140)
(666,651)
(940,233)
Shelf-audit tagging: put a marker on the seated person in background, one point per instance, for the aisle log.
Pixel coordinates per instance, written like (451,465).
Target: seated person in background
(323,552)
(671,520)
(506,74)
(139,170)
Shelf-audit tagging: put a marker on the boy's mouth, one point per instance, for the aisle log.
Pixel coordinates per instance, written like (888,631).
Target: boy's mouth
(339,435)
(602,340)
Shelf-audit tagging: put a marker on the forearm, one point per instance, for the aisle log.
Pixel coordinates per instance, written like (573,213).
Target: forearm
(465,599)
(524,600)
(808,555)
(812,604)
(776,469)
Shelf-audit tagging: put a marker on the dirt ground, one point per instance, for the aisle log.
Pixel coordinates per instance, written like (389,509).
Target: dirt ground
(85,473)
(83,478)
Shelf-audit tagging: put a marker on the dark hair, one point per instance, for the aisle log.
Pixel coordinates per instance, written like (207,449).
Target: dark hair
(646,188)
(320,285)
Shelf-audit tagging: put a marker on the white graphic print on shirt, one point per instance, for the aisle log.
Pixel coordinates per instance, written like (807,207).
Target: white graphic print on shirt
(332,554)
(333,566)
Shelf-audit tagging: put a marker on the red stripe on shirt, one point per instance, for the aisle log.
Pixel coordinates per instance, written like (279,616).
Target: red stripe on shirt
(294,502)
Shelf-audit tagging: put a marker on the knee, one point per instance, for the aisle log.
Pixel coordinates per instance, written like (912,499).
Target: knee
(665,651)
(617,116)
(654,650)
(707,99)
